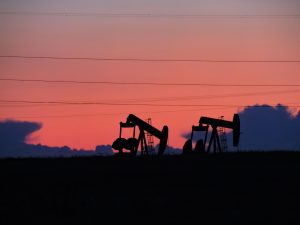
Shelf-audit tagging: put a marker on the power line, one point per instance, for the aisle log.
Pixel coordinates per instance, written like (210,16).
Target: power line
(148,59)
(148,83)
(126,113)
(176,98)
(153,15)
(185,98)
(6,105)
(115,114)
(101,103)
(135,104)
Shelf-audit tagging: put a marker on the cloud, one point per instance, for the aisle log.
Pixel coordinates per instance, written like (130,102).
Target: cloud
(170,150)
(269,128)
(16,132)
(104,150)
(173,151)
(266,128)
(13,136)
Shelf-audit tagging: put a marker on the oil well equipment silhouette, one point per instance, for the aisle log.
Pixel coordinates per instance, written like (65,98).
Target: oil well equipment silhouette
(132,144)
(204,124)
(144,143)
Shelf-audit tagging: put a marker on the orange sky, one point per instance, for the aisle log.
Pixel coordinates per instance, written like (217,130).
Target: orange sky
(175,38)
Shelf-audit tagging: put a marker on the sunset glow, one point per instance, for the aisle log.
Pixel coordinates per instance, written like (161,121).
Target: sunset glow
(147,37)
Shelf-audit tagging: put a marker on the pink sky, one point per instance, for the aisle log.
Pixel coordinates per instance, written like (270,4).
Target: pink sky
(236,39)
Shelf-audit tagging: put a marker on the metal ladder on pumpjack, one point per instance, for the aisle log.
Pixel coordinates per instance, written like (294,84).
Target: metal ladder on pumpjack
(149,137)
(223,137)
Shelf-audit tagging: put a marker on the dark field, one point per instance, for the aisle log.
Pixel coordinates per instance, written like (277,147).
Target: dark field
(239,188)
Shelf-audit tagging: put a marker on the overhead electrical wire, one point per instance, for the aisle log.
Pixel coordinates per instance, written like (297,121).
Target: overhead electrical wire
(132,104)
(115,114)
(102,103)
(175,98)
(191,98)
(148,83)
(148,59)
(126,113)
(151,15)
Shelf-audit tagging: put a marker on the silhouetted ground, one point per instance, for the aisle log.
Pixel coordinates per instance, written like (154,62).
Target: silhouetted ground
(240,188)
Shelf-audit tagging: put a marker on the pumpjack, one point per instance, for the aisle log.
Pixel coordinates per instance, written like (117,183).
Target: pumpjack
(132,144)
(204,124)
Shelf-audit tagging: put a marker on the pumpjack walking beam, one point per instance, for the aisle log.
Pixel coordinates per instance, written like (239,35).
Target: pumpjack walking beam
(215,123)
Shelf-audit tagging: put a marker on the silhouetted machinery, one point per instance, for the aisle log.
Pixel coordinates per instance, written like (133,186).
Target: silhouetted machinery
(132,144)
(204,124)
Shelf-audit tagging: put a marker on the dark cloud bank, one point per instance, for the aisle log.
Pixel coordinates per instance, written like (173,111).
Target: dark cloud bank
(263,128)
(267,128)
(13,135)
